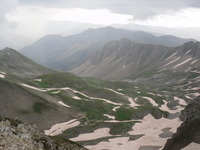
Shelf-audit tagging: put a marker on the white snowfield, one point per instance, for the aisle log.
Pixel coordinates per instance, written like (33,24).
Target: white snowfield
(149,126)
(60,127)
(99,133)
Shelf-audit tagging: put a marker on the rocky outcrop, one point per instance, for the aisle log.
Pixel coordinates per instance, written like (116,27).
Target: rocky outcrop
(189,131)
(15,135)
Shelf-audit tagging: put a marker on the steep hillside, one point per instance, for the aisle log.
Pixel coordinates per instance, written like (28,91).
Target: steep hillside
(125,59)
(31,106)
(63,53)
(15,63)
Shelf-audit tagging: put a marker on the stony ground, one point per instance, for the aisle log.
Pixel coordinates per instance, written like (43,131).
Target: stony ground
(14,135)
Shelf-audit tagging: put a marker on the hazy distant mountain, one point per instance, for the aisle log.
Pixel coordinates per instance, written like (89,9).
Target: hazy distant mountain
(9,39)
(63,53)
(184,32)
(125,58)
(15,63)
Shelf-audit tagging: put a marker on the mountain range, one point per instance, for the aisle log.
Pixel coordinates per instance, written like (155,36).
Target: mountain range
(152,90)
(64,53)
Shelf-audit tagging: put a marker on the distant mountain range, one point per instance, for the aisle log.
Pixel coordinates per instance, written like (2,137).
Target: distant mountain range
(124,58)
(64,53)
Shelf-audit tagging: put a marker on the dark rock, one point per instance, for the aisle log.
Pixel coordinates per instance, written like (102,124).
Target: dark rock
(15,135)
(189,131)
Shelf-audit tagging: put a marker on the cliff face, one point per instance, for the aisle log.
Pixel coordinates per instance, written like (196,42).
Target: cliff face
(14,135)
(189,131)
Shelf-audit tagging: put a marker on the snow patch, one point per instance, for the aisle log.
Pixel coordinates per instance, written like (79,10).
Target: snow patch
(2,76)
(181,101)
(56,92)
(115,108)
(63,104)
(38,80)
(188,51)
(76,97)
(164,107)
(150,127)
(151,100)
(110,117)
(171,56)
(99,133)
(2,73)
(132,102)
(172,61)
(114,91)
(182,63)
(60,127)
(194,61)
(34,88)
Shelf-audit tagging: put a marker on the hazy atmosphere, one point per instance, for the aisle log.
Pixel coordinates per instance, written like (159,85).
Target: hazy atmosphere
(100,74)
(24,21)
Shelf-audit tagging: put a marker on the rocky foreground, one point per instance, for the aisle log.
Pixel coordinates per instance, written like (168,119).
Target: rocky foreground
(15,135)
(188,134)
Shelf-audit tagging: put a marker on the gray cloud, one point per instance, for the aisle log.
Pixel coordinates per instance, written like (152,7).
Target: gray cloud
(5,7)
(140,9)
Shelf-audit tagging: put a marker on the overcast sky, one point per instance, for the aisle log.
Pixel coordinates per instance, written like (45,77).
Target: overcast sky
(34,18)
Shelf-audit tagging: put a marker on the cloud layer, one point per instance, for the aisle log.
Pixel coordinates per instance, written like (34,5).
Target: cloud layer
(35,18)
(140,9)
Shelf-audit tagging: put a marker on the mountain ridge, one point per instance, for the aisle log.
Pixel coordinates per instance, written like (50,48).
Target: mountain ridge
(64,53)
(127,58)
(11,61)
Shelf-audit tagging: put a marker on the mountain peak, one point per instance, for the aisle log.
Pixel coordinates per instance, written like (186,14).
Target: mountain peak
(191,45)
(11,61)
(8,49)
